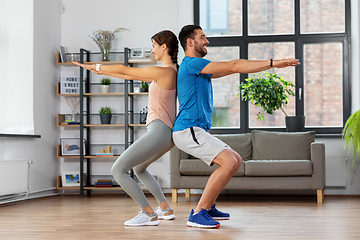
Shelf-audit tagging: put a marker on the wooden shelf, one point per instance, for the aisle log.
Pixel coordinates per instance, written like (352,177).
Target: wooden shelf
(89,159)
(104,125)
(104,94)
(137,125)
(150,60)
(140,93)
(58,155)
(59,186)
(61,118)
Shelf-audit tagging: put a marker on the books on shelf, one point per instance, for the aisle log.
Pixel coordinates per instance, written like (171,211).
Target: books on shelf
(104,183)
(70,123)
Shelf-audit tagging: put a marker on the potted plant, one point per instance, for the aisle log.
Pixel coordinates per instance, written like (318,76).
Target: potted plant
(105,115)
(351,133)
(271,93)
(144,87)
(105,39)
(105,85)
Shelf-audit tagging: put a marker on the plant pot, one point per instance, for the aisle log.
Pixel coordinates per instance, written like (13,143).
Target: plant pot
(105,118)
(144,89)
(295,123)
(105,88)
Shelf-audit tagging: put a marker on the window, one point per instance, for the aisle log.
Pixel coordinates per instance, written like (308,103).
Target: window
(226,112)
(314,31)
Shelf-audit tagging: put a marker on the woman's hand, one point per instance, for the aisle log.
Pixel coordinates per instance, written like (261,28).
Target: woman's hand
(91,67)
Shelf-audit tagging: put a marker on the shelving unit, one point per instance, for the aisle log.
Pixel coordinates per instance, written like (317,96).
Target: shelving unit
(85,120)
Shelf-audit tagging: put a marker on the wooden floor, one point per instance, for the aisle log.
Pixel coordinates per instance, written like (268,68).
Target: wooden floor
(102,217)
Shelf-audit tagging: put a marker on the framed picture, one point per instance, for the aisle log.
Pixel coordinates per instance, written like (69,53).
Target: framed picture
(71,146)
(63,54)
(70,179)
(137,52)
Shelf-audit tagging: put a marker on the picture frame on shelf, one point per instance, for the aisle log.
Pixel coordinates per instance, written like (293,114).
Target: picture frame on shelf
(137,52)
(71,146)
(63,50)
(70,179)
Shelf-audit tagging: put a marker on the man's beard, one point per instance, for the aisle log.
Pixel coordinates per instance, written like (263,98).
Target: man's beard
(200,50)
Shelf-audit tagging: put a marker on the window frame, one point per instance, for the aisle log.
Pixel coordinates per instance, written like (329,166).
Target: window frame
(299,40)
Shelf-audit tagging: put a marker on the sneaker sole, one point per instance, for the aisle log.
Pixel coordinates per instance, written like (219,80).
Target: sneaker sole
(192,224)
(221,218)
(152,223)
(170,217)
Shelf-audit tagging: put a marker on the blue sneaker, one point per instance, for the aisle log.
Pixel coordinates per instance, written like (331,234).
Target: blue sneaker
(217,215)
(202,220)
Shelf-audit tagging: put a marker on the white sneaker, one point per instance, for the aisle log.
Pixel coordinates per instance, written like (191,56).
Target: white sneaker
(143,219)
(167,214)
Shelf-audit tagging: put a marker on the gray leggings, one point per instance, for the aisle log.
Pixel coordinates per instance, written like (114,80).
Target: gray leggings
(146,150)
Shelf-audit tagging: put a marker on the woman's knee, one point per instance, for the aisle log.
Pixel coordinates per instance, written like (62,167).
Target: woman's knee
(138,170)
(118,168)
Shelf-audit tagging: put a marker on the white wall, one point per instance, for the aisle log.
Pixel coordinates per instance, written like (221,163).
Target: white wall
(45,38)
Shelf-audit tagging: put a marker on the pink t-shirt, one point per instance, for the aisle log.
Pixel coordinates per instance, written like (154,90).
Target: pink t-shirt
(161,104)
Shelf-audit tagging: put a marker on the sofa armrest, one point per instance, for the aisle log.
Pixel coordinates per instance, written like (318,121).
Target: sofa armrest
(318,160)
(175,157)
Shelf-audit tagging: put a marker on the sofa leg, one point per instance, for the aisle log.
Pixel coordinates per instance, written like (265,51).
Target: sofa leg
(174,196)
(320,196)
(187,194)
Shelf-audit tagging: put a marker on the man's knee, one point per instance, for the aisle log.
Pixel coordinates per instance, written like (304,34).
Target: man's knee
(228,160)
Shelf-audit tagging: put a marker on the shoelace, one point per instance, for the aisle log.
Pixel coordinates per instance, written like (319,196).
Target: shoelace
(206,215)
(137,216)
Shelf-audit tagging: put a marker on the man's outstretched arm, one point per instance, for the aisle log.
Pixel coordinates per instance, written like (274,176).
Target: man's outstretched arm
(220,69)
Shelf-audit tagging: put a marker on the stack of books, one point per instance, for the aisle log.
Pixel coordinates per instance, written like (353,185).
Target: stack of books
(104,183)
(69,122)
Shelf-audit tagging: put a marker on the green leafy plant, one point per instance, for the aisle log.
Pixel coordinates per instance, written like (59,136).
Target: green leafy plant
(105,81)
(270,92)
(351,133)
(144,84)
(105,110)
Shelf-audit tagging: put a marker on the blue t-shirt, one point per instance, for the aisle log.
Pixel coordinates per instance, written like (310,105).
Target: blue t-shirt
(195,95)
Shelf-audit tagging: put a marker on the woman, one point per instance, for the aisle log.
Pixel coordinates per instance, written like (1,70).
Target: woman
(158,139)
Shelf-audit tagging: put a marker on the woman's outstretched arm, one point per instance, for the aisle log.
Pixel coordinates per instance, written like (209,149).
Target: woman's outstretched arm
(144,74)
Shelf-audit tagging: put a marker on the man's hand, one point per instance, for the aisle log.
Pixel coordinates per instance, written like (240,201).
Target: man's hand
(290,62)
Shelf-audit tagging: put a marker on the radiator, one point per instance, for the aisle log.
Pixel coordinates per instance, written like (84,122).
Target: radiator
(335,172)
(14,177)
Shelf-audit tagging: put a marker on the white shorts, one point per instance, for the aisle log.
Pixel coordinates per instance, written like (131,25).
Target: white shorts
(199,143)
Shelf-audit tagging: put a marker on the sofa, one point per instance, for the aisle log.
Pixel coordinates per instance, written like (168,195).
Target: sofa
(271,161)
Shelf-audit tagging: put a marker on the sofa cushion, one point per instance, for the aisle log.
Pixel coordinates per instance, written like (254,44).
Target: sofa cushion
(240,143)
(281,145)
(277,168)
(196,167)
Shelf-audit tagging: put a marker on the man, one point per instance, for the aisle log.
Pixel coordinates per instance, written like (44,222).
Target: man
(190,132)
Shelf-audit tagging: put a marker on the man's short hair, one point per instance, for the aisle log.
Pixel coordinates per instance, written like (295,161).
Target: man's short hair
(186,32)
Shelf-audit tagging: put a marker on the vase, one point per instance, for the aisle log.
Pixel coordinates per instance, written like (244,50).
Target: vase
(105,118)
(295,123)
(73,116)
(105,88)
(105,54)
